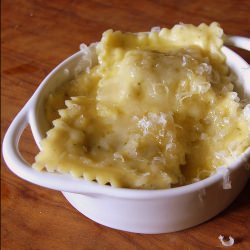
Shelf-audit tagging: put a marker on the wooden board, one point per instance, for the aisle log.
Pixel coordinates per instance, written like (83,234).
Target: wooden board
(36,36)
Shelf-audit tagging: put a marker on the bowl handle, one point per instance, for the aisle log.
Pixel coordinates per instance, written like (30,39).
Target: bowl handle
(11,153)
(238,41)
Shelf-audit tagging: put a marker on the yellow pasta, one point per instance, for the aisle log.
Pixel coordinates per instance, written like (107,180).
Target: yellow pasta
(156,111)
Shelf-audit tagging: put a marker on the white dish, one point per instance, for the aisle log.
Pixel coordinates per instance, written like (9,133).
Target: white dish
(140,211)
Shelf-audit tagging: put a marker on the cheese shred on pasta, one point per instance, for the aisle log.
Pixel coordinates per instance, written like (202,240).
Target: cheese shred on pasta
(153,110)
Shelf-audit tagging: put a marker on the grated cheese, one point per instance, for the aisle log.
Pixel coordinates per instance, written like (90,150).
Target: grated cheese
(158,102)
(226,184)
(226,243)
(202,194)
(156,29)
(66,71)
(246,112)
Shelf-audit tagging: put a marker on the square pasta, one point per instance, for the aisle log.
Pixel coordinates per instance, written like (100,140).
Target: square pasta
(156,110)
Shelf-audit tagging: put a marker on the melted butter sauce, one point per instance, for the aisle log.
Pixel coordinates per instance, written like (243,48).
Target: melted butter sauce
(156,111)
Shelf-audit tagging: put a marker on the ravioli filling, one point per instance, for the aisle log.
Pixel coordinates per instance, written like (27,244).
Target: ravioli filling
(156,111)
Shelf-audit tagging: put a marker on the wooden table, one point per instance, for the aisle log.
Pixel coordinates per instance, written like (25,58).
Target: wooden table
(39,34)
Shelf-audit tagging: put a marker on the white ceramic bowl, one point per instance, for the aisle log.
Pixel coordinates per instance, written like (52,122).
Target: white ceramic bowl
(140,211)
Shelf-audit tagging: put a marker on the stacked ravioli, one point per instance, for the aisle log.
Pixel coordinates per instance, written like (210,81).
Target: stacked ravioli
(153,110)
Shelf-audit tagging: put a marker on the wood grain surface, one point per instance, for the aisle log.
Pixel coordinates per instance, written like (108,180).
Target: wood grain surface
(39,34)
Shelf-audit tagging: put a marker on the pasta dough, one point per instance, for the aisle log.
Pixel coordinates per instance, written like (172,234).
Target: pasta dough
(156,111)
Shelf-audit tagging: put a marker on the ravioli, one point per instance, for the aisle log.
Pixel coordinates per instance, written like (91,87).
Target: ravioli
(156,111)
